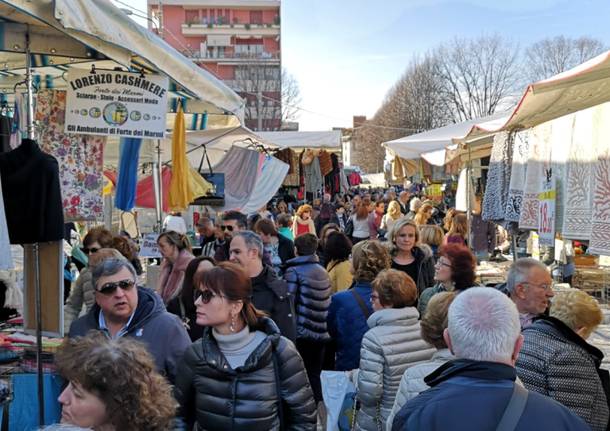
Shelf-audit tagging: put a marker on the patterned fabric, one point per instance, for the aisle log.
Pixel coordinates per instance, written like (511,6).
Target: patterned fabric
(600,232)
(517,177)
(498,178)
(294,174)
(538,161)
(80,159)
(561,137)
(580,172)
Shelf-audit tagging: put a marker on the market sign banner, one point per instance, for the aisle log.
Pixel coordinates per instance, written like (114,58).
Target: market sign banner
(546,210)
(116,103)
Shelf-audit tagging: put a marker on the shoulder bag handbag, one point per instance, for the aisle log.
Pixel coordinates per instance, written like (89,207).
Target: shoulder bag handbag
(215,197)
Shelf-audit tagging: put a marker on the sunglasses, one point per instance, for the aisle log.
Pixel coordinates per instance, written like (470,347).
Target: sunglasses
(89,250)
(110,288)
(229,228)
(206,295)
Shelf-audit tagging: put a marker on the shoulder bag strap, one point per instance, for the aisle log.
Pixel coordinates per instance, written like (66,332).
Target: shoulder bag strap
(278,388)
(514,409)
(207,158)
(361,303)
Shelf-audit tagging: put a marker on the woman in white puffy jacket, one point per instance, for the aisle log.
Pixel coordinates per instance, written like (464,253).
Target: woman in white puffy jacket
(392,345)
(433,325)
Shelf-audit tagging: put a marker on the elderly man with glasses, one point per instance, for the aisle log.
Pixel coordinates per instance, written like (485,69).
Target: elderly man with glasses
(530,286)
(122,309)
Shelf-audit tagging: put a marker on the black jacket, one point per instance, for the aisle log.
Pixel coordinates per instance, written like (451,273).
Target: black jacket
(32,196)
(285,248)
(309,285)
(162,332)
(220,398)
(558,363)
(424,259)
(270,294)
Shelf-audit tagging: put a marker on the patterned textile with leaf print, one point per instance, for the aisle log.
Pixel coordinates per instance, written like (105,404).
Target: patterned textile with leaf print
(80,158)
(600,232)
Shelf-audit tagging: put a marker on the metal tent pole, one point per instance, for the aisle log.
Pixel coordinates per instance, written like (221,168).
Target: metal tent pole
(36,250)
(158,184)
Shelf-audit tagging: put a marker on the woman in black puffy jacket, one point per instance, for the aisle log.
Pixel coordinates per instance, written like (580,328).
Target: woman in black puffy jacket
(242,375)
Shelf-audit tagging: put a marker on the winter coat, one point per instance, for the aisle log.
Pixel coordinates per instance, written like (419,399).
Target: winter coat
(392,345)
(171,277)
(218,397)
(558,363)
(162,332)
(412,382)
(427,295)
(271,295)
(347,324)
(469,395)
(82,291)
(309,285)
(424,259)
(340,275)
(285,248)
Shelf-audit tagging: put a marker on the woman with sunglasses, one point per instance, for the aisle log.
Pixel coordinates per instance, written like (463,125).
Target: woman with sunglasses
(83,292)
(176,251)
(454,271)
(242,375)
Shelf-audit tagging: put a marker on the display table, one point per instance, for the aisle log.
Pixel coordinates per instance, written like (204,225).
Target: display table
(23,409)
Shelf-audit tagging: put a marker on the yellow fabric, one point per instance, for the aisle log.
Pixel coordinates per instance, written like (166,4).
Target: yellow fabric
(199,185)
(108,186)
(340,276)
(180,190)
(398,170)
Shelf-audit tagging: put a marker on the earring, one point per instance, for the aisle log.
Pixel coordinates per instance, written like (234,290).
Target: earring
(232,325)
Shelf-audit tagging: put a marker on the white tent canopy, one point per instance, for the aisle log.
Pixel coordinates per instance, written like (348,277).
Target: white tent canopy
(433,144)
(66,33)
(301,140)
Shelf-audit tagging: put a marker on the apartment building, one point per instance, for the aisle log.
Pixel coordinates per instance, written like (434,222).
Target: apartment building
(239,41)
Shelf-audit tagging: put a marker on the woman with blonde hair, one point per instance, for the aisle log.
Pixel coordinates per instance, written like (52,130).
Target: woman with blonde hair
(448,219)
(458,233)
(113,385)
(423,214)
(409,256)
(392,216)
(176,251)
(432,235)
(392,345)
(303,221)
(557,361)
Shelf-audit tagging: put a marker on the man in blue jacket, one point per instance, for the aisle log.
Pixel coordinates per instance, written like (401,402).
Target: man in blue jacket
(122,309)
(474,391)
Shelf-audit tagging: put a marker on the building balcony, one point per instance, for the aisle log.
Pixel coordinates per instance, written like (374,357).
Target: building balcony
(196,29)
(235,58)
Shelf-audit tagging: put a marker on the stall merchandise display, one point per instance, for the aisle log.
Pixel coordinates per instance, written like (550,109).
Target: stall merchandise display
(498,178)
(517,177)
(80,159)
(594,281)
(491,273)
(600,232)
(127,178)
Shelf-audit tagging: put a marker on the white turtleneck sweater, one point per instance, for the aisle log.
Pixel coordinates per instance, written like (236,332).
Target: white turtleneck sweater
(239,346)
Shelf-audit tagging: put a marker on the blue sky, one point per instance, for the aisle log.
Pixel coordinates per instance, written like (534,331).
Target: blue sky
(346,54)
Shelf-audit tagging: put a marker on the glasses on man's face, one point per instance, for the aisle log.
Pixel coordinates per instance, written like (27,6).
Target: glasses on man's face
(109,288)
(206,295)
(91,250)
(545,287)
(226,227)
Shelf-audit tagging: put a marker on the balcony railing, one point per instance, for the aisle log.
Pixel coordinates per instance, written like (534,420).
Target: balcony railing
(233,56)
(199,28)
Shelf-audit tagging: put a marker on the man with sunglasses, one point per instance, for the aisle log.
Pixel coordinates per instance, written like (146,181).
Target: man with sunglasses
(124,309)
(530,286)
(231,223)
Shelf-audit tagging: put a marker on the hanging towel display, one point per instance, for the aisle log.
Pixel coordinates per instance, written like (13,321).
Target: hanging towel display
(267,183)
(238,164)
(498,178)
(561,139)
(32,196)
(517,176)
(580,172)
(180,192)
(600,232)
(6,258)
(127,180)
(80,159)
(145,191)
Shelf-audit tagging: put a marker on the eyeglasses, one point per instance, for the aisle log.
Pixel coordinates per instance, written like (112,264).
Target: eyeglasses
(110,288)
(206,296)
(441,263)
(545,287)
(89,250)
(226,227)
(374,297)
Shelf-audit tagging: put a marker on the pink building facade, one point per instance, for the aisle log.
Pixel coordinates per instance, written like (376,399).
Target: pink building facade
(239,41)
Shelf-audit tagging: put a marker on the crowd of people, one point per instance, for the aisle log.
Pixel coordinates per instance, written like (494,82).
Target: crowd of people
(381,286)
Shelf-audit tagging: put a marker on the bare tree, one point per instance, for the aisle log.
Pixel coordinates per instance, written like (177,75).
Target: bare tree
(478,75)
(259,83)
(551,56)
(291,97)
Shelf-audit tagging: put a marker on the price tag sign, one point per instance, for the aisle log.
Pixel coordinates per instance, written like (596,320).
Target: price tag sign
(546,215)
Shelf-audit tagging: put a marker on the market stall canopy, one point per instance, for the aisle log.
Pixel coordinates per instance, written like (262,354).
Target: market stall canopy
(301,140)
(68,33)
(579,88)
(432,145)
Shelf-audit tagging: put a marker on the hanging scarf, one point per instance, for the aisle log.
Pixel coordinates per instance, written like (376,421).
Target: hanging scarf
(128,174)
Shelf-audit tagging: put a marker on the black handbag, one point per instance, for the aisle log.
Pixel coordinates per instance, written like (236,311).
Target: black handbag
(216,196)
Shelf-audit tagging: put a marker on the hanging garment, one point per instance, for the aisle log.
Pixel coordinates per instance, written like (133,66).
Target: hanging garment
(127,181)
(313,176)
(180,192)
(398,170)
(267,183)
(600,232)
(6,127)
(32,196)
(498,178)
(288,156)
(517,176)
(561,138)
(145,190)
(326,164)
(80,159)
(6,258)
(580,171)
(241,168)
(343,181)
(464,191)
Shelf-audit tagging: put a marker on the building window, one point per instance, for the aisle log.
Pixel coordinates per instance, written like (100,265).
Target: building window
(256,17)
(191,16)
